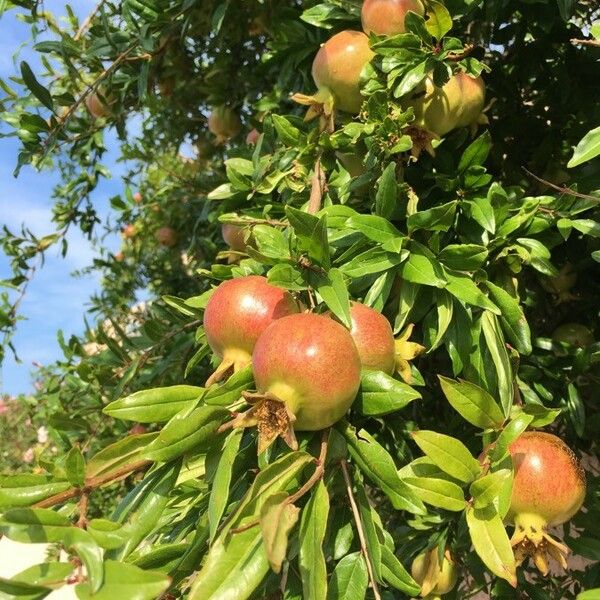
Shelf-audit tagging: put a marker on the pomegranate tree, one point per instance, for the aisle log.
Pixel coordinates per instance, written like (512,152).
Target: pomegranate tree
(224,123)
(457,104)
(386,17)
(237,314)
(307,373)
(374,339)
(434,578)
(548,489)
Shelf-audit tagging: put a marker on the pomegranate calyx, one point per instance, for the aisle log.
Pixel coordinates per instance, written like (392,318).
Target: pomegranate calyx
(271,416)
(531,539)
(321,105)
(233,361)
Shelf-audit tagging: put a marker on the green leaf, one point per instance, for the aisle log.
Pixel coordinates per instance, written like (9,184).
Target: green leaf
(476,153)
(381,394)
(445,310)
(422,267)
(311,561)
(481,211)
(372,261)
(219,493)
(588,148)
(108,534)
(491,542)
(387,192)
(287,133)
(449,454)
(311,233)
(439,21)
(589,595)
(230,391)
(463,257)
(155,405)
(126,581)
(509,434)
(461,286)
(334,292)
(277,519)
(438,218)
(486,490)
(373,227)
(187,432)
(36,88)
(438,492)
(367,516)
(75,467)
(396,575)
(123,452)
(18,590)
(349,579)
(472,403)
(512,318)
(25,490)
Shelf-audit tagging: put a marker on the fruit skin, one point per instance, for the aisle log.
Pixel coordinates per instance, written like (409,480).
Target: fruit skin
(386,17)
(166,236)
(233,235)
(573,334)
(224,123)
(434,579)
(457,104)
(374,338)
(548,489)
(237,314)
(337,68)
(97,107)
(311,363)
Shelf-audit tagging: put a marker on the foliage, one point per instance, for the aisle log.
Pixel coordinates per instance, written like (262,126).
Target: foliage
(458,242)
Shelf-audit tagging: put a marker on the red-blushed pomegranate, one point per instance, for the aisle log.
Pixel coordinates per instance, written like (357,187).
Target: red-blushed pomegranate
(374,338)
(128,231)
(457,104)
(237,314)
(252,137)
(548,489)
(137,197)
(119,256)
(234,237)
(166,236)
(386,17)
(434,579)
(337,67)
(224,123)
(307,373)
(574,334)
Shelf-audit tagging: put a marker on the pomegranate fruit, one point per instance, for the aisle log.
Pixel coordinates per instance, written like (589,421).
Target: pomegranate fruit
(307,373)
(237,314)
(386,17)
(373,337)
(574,334)
(434,579)
(252,137)
(128,231)
(119,256)
(166,236)
(224,123)
(336,72)
(137,197)
(548,489)
(457,104)
(98,107)
(234,236)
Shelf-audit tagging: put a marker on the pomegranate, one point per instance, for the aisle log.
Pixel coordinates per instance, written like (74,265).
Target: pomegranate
(434,579)
(561,284)
(548,489)
(98,107)
(337,67)
(457,104)
(224,123)
(307,373)
(129,231)
(166,236)
(373,337)
(137,197)
(236,315)
(386,17)
(234,237)
(252,137)
(574,334)
(119,256)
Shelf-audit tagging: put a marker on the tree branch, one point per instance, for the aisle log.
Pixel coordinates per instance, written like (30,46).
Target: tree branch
(88,21)
(564,190)
(593,43)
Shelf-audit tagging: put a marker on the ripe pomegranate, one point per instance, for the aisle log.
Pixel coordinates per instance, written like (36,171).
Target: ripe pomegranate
(457,104)
(386,17)
(224,123)
(337,66)
(129,231)
(307,372)
(98,107)
(252,137)
(236,315)
(166,236)
(137,197)
(234,236)
(548,489)
(434,579)
(573,334)
(373,337)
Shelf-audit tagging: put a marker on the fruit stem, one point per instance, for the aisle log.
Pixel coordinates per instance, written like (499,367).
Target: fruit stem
(360,529)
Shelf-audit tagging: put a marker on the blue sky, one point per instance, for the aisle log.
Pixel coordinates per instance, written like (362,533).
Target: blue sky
(55,299)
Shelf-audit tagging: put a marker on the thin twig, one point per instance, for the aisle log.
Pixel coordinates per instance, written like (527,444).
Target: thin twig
(317,187)
(88,20)
(359,527)
(564,190)
(594,43)
(83,506)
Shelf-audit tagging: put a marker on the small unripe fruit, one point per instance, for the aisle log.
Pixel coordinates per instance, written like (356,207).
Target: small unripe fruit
(252,137)
(224,123)
(97,107)
(374,338)
(166,236)
(573,334)
(434,579)
(548,489)
(386,17)
(338,65)
(234,237)
(237,314)
(128,231)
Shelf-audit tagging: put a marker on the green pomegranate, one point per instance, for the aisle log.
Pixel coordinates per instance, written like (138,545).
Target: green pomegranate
(386,17)
(435,579)
(573,334)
